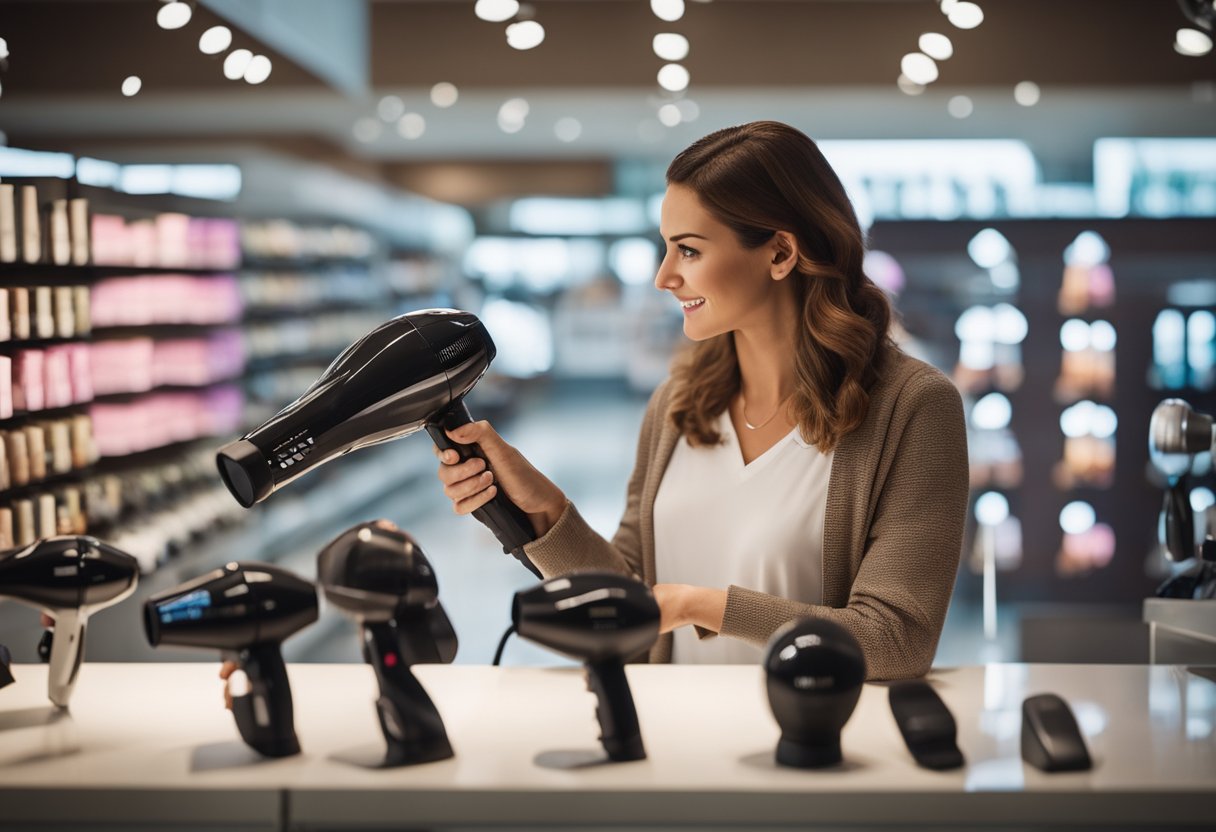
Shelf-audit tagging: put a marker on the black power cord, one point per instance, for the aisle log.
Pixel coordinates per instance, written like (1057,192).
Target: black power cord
(501,644)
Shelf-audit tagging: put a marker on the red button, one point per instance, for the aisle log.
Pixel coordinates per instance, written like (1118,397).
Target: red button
(390,659)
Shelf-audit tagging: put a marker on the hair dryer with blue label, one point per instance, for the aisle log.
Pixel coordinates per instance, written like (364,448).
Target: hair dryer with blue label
(409,374)
(70,577)
(245,610)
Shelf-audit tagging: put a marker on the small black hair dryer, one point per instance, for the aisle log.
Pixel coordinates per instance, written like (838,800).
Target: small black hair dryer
(815,669)
(408,374)
(245,610)
(71,577)
(380,576)
(602,619)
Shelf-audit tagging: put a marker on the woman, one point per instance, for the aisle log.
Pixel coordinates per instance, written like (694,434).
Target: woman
(795,463)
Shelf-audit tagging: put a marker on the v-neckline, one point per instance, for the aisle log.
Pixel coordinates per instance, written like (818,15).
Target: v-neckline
(737,456)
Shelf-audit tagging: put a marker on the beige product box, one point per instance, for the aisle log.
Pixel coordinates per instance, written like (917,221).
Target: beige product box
(6,528)
(48,516)
(6,324)
(61,243)
(83,452)
(18,457)
(78,227)
(5,482)
(8,224)
(44,312)
(61,446)
(75,507)
(19,305)
(65,315)
(80,305)
(35,442)
(31,225)
(24,532)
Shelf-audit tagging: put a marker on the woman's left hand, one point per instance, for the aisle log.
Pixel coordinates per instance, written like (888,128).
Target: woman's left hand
(682,604)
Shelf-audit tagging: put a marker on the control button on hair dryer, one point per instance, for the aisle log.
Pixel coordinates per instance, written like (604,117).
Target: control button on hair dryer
(602,619)
(814,670)
(1051,738)
(409,374)
(70,577)
(926,725)
(246,611)
(379,575)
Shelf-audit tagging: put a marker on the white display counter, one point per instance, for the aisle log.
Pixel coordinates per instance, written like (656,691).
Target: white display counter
(151,745)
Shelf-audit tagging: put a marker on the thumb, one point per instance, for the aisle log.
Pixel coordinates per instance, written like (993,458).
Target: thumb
(479,433)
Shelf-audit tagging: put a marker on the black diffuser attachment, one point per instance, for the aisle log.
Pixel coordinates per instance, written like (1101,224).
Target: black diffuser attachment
(70,577)
(815,669)
(1051,739)
(602,619)
(380,576)
(245,610)
(926,725)
(409,374)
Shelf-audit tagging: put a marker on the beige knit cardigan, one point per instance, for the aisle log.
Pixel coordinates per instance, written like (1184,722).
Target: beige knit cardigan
(892,536)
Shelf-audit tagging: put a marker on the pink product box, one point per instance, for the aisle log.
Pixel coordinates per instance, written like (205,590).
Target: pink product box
(110,242)
(121,366)
(80,371)
(57,377)
(223,247)
(162,419)
(199,361)
(166,299)
(172,241)
(28,392)
(6,387)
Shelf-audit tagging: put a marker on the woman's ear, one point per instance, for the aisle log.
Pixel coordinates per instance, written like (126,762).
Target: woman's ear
(784,247)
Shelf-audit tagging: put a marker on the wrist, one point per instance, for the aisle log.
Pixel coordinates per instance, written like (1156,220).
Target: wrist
(546,518)
(704,607)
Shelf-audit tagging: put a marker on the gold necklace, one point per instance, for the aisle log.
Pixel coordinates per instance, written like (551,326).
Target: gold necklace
(749,425)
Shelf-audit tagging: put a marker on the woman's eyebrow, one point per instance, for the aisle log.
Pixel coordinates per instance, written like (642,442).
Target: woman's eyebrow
(679,237)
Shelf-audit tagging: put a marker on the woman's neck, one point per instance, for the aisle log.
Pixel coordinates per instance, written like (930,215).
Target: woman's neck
(766,360)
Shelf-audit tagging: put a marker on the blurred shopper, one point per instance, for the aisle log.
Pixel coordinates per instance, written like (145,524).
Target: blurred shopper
(796,462)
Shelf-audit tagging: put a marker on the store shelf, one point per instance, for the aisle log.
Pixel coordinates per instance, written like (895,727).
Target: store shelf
(52,270)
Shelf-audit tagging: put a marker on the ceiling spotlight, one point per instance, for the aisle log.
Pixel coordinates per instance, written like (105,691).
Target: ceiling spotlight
(947,5)
(411,126)
(215,40)
(960,106)
(444,95)
(909,87)
(919,68)
(674,78)
(568,129)
(1192,43)
(132,85)
(669,114)
(937,47)
(173,15)
(671,47)
(526,34)
(496,11)
(236,63)
(965,15)
(258,69)
(669,10)
(511,115)
(367,129)
(1026,93)
(391,108)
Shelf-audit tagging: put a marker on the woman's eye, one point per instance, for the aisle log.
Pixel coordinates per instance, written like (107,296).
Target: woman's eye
(685,251)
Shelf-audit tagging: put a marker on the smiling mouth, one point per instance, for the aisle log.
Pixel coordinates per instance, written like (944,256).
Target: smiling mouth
(692,304)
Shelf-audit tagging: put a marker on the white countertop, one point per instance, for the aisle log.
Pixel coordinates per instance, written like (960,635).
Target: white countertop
(152,743)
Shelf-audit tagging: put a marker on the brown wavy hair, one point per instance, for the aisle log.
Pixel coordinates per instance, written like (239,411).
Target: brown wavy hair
(757,179)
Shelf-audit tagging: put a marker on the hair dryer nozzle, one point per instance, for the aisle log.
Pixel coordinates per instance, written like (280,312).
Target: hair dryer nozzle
(245,471)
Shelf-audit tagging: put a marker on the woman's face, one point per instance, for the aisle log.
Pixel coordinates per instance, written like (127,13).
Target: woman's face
(722,286)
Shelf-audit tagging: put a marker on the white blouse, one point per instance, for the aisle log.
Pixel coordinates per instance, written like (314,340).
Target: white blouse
(719,522)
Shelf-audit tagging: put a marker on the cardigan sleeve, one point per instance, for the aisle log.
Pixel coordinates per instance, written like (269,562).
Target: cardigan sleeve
(897,604)
(571,545)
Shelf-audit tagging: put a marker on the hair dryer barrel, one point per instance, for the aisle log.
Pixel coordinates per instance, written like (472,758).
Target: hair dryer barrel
(387,384)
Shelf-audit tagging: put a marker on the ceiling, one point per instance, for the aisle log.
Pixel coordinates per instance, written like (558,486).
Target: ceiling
(1105,67)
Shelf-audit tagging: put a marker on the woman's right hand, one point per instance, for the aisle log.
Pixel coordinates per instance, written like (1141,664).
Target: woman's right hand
(226,670)
(470,485)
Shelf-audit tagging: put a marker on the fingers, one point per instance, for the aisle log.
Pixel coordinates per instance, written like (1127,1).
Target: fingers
(471,504)
(227,669)
(465,489)
(46,621)
(481,433)
(450,474)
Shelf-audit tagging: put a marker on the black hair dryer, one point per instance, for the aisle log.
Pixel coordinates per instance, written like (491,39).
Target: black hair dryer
(71,577)
(407,374)
(603,619)
(814,669)
(245,610)
(379,575)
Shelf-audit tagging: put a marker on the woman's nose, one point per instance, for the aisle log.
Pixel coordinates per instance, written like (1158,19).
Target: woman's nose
(666,277)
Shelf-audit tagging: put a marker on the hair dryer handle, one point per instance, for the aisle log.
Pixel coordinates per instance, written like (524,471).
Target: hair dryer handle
(67,652)
(264,714)
(619,730)
(508,522)
(1179,521)
(412,727)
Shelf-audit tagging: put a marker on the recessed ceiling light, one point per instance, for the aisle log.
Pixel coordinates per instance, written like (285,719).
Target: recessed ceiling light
(936,46)
(496,11)
(444,95)
(669,115)
(907,86)
(173,15)
(215,40)
(258,69)
(673,78)
(670,46)
(1026,93)
(390,108)
(236,63)
(132,85)
(527,34)
(965,15)
(669,10)
(919,68)
(960,106)
(411,126)
(1192,43)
